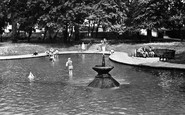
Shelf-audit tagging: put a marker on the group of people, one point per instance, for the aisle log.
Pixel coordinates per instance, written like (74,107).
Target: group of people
(102,47)
(144,52)
(85,46)
(104,44)
(52,54)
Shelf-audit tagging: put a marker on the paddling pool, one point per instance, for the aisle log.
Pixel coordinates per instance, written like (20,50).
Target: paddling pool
(143,91)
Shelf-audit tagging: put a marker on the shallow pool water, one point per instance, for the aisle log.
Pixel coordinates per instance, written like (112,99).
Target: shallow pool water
(143,91)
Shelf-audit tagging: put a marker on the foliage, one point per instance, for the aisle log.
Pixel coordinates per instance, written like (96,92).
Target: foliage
(176,13)
(107,13)
(113,15)
(2,20)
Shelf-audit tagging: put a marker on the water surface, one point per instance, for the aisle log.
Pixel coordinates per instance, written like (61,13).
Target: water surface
(143,91)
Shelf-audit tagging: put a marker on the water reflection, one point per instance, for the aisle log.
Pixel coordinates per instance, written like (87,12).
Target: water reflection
(83,58)
(172,79)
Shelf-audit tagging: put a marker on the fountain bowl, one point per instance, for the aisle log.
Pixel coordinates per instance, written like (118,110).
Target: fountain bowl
(102,69)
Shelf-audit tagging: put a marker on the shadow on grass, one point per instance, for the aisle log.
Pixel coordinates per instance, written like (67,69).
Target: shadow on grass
(143,39)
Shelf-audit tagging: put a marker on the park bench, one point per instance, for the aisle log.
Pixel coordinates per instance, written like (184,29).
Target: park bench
(164,54)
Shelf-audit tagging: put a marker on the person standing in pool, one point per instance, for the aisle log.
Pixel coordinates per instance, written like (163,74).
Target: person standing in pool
(104,44)
(83,46)
(69,64)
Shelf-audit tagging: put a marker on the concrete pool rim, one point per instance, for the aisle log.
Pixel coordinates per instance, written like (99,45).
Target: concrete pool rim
(124,58)
(26,56)
(119,57)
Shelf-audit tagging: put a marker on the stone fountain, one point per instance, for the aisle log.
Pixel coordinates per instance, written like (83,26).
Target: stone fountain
(103,79)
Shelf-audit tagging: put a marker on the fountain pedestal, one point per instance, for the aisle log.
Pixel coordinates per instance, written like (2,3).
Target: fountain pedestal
(103,79)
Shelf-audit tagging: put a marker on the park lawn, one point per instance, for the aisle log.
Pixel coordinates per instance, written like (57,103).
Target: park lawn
(8,48)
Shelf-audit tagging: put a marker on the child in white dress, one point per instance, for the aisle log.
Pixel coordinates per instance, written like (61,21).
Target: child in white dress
(69,64)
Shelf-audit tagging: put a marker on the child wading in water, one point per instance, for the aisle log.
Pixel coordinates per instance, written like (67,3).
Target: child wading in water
(83,46)
(70,67)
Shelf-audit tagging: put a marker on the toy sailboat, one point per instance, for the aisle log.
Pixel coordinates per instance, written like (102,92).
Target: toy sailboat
(31,77)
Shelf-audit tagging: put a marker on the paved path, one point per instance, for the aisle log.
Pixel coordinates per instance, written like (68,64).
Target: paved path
(123,57)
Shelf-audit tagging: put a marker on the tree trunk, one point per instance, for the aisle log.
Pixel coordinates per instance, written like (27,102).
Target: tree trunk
(77,32)
(29,34)
(138,35)
(14,29)
(65,32)
(45,32)
(183,35)
(89,28)
(71,33)
(160,33)
(149,34)
(97,29)
(1,38)
(55,36)
(92,31)
(180,34)
(50,34)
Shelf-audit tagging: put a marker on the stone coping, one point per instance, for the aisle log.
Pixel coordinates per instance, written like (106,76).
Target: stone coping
(44,54)
(122,57)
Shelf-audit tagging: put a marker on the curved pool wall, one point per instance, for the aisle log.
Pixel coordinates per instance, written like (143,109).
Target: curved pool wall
(45,54)
(120,57)
(142,91)
(153,62)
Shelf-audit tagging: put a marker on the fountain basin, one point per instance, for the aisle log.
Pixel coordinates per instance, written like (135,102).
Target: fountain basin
(102,69)
(103,79)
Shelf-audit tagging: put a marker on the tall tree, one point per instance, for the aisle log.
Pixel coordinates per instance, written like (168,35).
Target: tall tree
(14,9)
(3,22)
(105,13)
(148,14)
(176,16)
(29,18)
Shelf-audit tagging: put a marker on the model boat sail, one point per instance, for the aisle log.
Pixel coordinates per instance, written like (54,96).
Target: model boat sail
(31,77)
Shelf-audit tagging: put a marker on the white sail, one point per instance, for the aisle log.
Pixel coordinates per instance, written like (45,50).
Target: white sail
(31,77)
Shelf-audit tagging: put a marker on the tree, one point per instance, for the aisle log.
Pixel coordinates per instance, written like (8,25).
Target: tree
(3,21)
(2,25)
(105,13)
(14,9)
(148,14)
(176,13)
(29,18)
(62,15)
